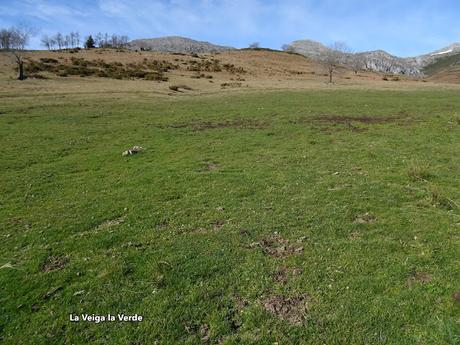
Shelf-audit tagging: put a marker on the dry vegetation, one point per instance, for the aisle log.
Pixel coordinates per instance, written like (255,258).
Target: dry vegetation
(116,70)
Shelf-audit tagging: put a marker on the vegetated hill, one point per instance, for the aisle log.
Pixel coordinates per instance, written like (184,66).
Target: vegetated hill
(446,69)
(428,59)
(381,61)
(176,44)
(245,68)
(442,64)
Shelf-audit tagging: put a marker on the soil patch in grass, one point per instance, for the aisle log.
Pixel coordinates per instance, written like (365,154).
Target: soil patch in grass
(53,263)
(290,309)
(238,123)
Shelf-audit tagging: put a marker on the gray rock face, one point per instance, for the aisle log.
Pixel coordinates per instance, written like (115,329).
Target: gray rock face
(175,44)
(378,60)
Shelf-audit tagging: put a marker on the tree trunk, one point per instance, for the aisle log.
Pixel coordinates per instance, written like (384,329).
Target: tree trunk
(21,75)
(330,77)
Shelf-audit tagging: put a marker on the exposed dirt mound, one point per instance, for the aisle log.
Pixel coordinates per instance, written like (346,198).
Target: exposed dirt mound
(53,263)
(418,277)
(278,247)
(290,309)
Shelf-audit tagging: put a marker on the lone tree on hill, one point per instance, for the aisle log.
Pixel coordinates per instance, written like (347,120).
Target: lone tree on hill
(255,45)
(15,41)
(333,57)
(357,62)
(89,44)
(288,48)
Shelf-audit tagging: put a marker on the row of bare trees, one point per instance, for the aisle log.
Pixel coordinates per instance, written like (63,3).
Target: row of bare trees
(110,41)
(60,41)
(72,40)
(15,39)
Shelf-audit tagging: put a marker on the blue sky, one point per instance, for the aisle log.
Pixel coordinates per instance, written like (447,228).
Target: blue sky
(402,27)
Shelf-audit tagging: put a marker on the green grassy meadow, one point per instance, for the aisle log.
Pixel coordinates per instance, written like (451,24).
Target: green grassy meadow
(288,217)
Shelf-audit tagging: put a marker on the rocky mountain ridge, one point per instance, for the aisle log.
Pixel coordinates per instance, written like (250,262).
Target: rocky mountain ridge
(176,44)
(378,60)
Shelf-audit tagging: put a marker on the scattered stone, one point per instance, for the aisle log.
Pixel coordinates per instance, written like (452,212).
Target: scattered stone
(205,333)
(132,151)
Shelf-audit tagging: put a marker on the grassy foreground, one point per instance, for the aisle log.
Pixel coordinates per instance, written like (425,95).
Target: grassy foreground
(319,217)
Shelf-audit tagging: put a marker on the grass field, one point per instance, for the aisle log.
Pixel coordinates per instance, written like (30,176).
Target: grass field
(289,217)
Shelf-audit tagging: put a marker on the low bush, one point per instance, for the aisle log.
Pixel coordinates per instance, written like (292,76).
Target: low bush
(148,70)
(178,87)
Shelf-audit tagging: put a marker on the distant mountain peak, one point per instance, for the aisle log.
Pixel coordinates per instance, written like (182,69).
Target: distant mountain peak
(176,44)
(379,60)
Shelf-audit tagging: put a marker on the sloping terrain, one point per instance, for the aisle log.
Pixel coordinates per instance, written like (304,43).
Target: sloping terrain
(446,68)
(77,70)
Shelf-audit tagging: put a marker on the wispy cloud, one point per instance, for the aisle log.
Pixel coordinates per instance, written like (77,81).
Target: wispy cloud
(403,28)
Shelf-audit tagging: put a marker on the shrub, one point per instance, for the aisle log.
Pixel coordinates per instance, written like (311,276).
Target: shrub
(49,60)
(149,70)
(178,87)
(38,76)
(156,76)
(234,84)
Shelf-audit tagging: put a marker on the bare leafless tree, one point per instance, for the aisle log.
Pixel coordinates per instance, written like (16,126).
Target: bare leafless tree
(357,62)
(98,40)
(76,36)
(5,39)
(59,38)
(46,42)
(334,57)
(15,41)
(67,41)
(288,48)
